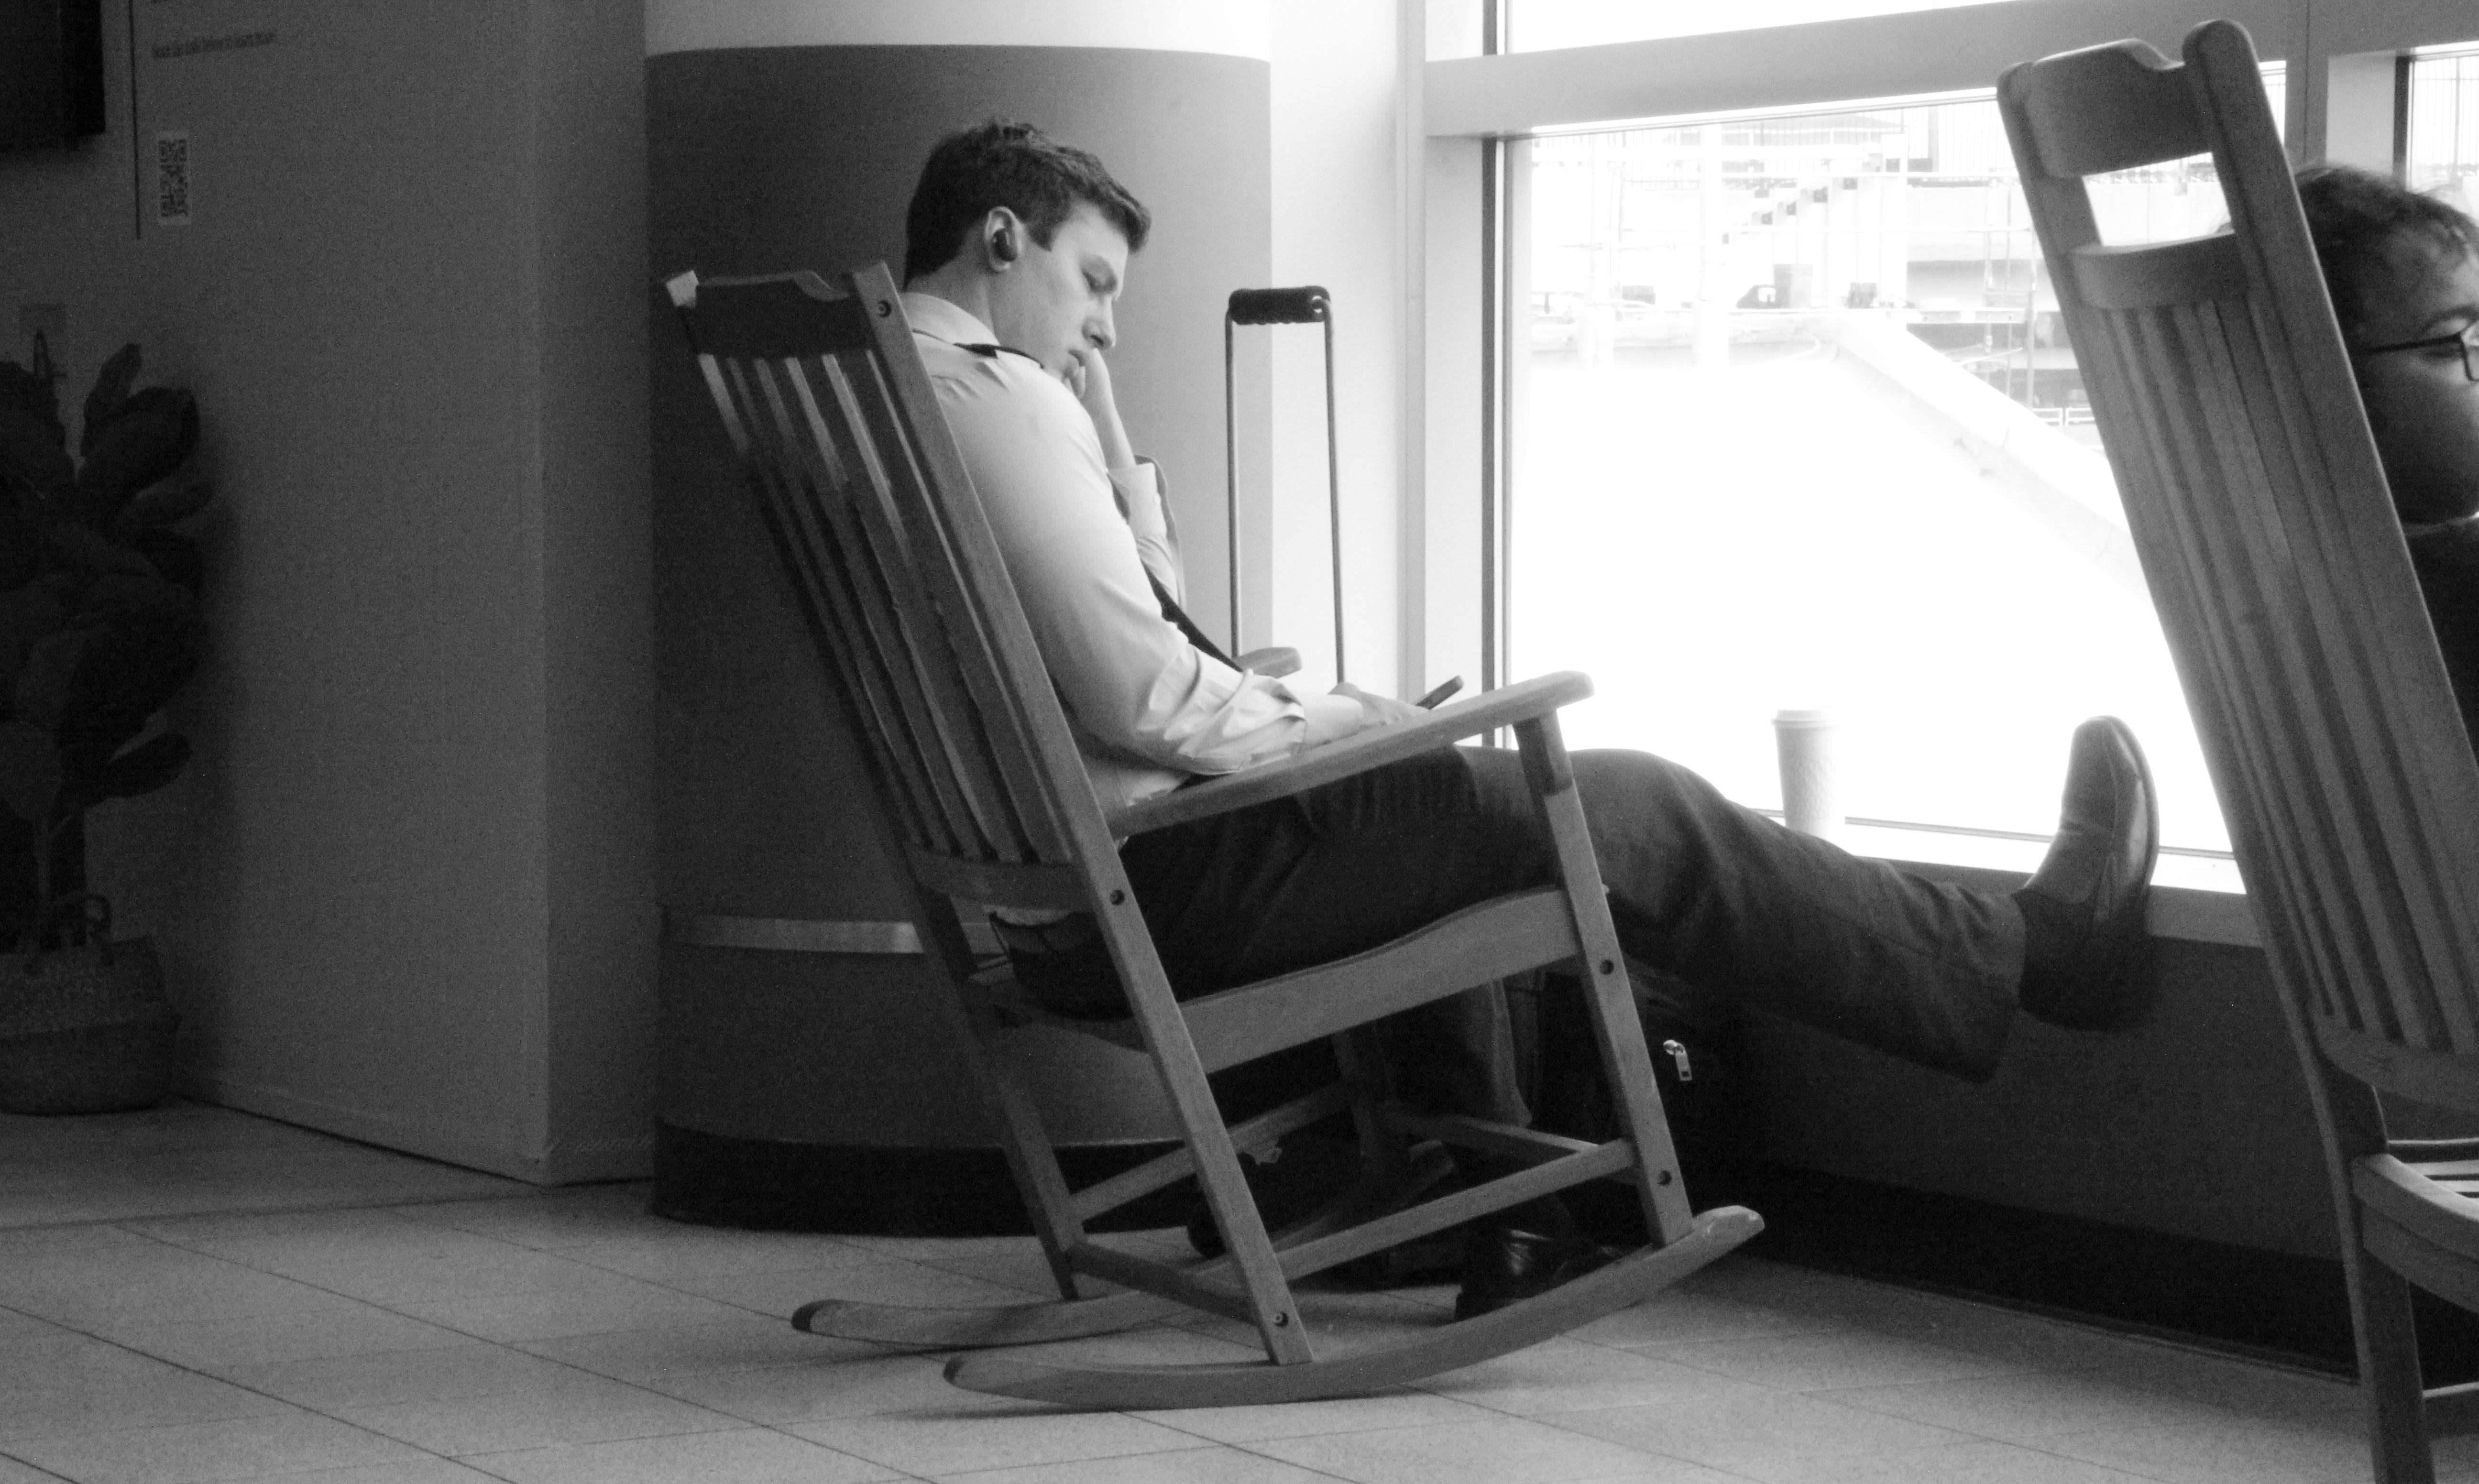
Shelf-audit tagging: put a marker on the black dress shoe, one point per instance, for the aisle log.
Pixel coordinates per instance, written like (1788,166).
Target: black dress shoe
(2083,909)
(1504,1265)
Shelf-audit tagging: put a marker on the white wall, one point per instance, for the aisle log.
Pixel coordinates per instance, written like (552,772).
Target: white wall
(404,892)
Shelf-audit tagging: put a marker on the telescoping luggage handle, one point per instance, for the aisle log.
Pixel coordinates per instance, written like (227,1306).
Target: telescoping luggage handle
(1308,304)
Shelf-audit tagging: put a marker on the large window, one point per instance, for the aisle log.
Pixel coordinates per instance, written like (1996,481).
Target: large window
(1795,424)
(1777,409)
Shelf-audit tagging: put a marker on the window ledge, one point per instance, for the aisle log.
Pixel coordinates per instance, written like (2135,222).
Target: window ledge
(2194,898)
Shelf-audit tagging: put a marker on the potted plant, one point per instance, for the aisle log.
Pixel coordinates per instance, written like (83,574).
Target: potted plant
(98,627)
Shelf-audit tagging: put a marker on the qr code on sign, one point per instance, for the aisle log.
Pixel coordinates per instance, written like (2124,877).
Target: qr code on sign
(173,179)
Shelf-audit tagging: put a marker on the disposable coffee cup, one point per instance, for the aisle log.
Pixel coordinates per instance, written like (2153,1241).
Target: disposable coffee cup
(1811,785)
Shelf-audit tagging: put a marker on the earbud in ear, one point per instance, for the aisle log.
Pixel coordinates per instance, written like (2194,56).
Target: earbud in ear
(1003,244)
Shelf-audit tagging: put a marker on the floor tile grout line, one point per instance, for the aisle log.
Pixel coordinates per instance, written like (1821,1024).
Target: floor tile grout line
(321,1412)
(2038,1444)
(667,1287)
(315,1208)
(2129,1472)
(31,1464)
(384,1306)
(514,1348)
(1259,1452)
(318,1208)
(2130,1468)
(255,1392)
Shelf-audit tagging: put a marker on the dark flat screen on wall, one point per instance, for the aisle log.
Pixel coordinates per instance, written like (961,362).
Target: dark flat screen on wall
(51,71)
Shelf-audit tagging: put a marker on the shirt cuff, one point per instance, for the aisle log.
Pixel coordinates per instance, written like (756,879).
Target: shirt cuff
(1138,487)
(1330,717)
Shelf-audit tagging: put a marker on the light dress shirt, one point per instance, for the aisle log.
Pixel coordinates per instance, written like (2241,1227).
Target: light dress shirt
(1147,709)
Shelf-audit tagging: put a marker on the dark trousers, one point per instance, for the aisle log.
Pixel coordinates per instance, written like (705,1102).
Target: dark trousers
(1699,888)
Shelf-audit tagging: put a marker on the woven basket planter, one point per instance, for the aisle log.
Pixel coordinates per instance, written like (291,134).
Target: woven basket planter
(85,1030)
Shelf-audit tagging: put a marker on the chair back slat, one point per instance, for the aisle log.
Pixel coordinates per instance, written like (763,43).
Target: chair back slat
(945,740)
(827,607)
(993,752)
(924,653)
(885,543)
(811,507)
(2231,416)
(2254,560)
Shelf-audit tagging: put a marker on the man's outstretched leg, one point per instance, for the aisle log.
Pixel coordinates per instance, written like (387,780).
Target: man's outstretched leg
(1726,900)
(1729,901)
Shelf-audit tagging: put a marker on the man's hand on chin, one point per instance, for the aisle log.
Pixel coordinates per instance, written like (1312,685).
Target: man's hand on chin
(1089,376)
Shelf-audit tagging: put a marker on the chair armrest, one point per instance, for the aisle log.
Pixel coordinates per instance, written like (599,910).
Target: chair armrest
(1358,753)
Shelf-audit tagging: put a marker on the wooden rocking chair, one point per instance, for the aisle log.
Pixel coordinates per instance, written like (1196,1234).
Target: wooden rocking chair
(2227,403)
(917,624)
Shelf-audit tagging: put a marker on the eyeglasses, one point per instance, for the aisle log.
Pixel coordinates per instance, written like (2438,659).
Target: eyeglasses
(2461,340)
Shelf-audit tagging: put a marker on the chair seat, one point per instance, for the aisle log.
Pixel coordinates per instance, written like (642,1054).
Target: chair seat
(1488,940)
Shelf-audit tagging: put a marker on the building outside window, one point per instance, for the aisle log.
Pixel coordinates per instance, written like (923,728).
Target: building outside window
(1800,426)
(2440,143)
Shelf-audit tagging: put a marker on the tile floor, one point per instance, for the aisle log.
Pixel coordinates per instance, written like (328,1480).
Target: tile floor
(194,1295)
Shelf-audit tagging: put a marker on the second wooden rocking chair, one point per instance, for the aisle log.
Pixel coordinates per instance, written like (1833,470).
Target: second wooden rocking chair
(2258,504)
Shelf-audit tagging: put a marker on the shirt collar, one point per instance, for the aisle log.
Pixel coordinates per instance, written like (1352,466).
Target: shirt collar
(943,320)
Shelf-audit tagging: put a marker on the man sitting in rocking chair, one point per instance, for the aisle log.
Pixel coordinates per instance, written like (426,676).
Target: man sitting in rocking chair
(1017,249)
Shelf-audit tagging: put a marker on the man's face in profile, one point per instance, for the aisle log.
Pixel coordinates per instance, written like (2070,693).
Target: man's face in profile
(2421,404)
(1053,302)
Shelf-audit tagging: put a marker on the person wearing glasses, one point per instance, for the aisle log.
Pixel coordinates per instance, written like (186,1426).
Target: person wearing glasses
(2403,270)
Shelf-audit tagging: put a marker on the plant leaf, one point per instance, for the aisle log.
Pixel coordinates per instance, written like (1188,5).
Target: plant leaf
(30,458)
(80,548)
(143,769)
(43,685)
(128,601)
(111,386)
(26,615)
(143,442)
(160,503)
(174,556)
(145,646)
(23,391)
(30,772)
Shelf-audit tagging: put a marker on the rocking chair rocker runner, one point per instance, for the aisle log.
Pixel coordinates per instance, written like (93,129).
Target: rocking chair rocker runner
(2260,509)
(918,627)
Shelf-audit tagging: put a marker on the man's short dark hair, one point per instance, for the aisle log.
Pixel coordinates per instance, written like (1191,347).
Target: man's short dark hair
(2356,216)
(1016,166)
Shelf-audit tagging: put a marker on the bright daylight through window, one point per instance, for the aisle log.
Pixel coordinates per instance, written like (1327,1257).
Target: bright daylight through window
(1794,425)
(2442,147)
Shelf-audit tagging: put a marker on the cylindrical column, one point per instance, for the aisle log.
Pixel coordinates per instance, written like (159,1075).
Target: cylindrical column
(814,1088)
